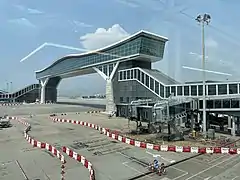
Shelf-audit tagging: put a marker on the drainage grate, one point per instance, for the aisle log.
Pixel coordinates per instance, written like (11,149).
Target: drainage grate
(79,145)
(114,142)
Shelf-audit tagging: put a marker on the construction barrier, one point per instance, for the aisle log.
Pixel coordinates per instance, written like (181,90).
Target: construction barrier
(165,148)
(42,145)
(81,159)
(11,104)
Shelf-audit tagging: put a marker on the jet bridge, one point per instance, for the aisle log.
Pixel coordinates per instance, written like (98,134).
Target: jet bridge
(155,117)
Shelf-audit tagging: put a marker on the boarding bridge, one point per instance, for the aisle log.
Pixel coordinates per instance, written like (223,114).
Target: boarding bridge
(29,93)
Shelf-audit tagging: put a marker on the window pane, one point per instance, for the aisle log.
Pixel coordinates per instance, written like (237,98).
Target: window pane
(105,69)
(234,103)
(156,87)
(210,104)
(179,91)
(173,90)
(128,74)
(131,74)
(233,89)
(226,103)
(194,90)
(142,77)
(147,80)
(151,84)
(167,89)
(110,68)
(200,90)
(218,104)
(161,90)
(186,90)
(200,104)
(211,89)
(135,73)
(222,89)
(121,75)
(138,74)
(124,75)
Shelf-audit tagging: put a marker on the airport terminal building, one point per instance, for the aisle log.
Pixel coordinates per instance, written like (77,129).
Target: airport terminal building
(126,66)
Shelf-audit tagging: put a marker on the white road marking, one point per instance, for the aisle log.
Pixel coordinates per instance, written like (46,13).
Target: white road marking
(184,173)
(217,158)
(235,177)
(158,155)
(200,172)
(132,159)
(208,178)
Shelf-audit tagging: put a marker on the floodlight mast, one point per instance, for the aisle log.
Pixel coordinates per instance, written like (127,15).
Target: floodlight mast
(204,19)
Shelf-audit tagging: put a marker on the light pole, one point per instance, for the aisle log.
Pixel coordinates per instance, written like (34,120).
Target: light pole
(204,19)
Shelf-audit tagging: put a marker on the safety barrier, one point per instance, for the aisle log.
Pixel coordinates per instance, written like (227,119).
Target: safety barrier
(81,159)
(10,104)
(91,112)
(42,145)
(178,149)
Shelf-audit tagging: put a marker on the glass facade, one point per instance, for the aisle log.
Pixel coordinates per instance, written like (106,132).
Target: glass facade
(139,45)
(152,47)
(190,90)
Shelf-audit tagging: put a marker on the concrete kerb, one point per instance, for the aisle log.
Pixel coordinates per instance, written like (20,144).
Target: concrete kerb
(165,148)
(42,145)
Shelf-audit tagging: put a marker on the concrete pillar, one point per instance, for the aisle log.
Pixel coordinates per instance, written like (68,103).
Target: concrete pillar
(238,125)
(110,104)
(229,121)
(43,90)
(233,126)
(192,121)
(198,117)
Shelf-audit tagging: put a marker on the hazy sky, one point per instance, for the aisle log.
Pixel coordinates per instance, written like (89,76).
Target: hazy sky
(90,24)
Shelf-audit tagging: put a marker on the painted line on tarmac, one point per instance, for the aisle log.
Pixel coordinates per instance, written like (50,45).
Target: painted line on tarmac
(184,173)
(215,165)
(158,155)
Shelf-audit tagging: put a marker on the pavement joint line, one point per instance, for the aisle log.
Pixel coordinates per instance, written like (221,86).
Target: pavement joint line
(184,173)
(200,172)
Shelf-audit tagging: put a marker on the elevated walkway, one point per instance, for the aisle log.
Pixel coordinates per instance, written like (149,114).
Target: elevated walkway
(29,93)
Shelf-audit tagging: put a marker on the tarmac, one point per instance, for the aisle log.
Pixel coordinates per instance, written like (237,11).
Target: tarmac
(111,160)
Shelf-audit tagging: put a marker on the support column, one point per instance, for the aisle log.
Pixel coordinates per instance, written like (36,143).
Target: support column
(233,132)
(110,103)
(43,89)
(229,121)
(238,126)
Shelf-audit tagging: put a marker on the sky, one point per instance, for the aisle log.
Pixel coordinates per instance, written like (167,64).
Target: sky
(90,24)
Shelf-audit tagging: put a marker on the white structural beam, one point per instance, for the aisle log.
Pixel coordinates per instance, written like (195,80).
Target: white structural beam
(43,89)
(104,76)
(114,70)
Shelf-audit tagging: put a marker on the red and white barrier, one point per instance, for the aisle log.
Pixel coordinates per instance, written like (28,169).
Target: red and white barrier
(42,145)
(165,148)
(10,104)
(80,159)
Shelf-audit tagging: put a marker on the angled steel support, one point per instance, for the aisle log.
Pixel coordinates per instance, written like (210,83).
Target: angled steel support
(114,70)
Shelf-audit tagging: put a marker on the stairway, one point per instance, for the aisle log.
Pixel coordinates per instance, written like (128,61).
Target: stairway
(25,90)
(110,105)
